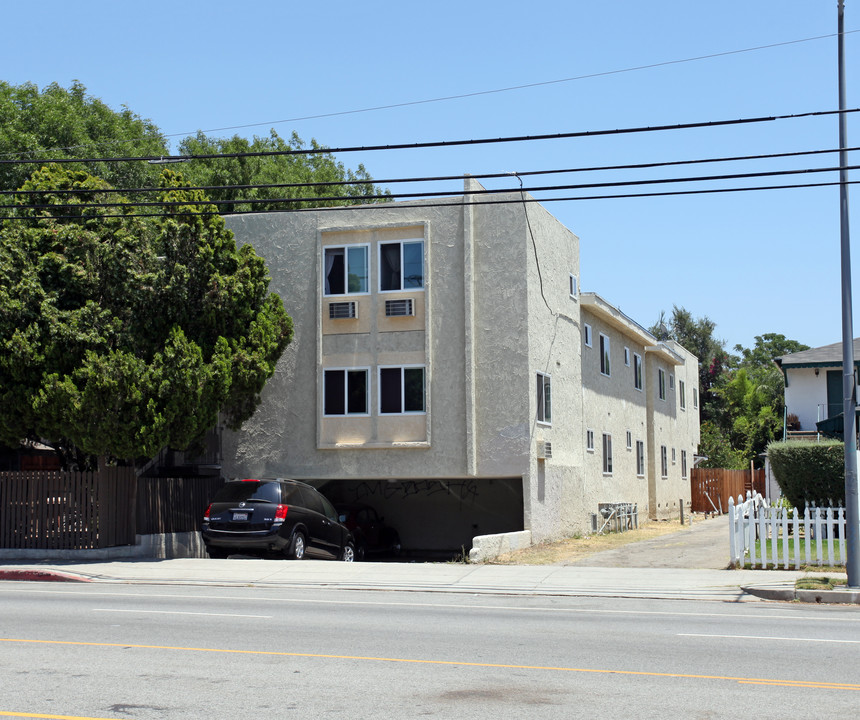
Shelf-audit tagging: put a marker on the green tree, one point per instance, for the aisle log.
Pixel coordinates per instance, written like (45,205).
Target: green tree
(319,167)
(123,335)
(753,415)
(68,123)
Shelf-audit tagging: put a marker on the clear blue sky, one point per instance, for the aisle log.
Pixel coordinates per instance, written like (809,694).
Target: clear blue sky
(754,262)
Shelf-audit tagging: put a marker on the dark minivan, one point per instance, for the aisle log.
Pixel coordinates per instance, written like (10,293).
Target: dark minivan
(281,516)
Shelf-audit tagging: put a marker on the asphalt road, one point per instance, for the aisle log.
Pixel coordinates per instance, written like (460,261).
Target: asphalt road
(146,652)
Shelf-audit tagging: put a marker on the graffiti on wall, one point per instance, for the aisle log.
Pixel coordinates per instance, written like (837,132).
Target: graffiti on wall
(464,490)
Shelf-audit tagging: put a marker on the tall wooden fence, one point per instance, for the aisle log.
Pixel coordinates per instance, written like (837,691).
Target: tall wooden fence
(67,510)
(711,488)
(79,511)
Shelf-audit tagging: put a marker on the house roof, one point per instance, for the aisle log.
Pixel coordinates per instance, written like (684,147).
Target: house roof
(825,356)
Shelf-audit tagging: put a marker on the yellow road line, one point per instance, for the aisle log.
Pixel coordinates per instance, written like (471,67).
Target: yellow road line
(503,666)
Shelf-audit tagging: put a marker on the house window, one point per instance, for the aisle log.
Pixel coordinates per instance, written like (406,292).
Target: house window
(544,399)
(637,371)
(345,269)
(664,462)
(673,456)
(671,381)
(682,392)
(345,392)
(695,398)
(627,356)
(629,440)
(683,464)
(607,454)
(401,265)
(574,286)
(589,440)
(640,458)
(661,383)
(401,390)
(604,355)
(587,333)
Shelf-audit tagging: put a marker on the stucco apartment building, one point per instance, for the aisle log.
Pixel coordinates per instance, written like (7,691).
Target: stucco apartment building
(447,370)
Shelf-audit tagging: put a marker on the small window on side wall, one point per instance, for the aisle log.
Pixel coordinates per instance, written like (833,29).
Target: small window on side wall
(586,334)
(574,286)
(544,399)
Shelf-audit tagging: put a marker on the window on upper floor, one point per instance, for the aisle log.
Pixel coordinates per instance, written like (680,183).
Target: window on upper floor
(673,456)
(401,265)
(574,286)
(401,390)
(345,391)
(345,270)
(607,454)
(661,383)
(637,371)
(682,394)
(671,381)
(604,355)
(695,398)
(589,440)
(586,333)
(629,440)
(544,399)
(627,357)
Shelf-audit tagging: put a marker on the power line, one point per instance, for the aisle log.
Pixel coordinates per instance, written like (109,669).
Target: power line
(392,206)
(439,143)
(437,178)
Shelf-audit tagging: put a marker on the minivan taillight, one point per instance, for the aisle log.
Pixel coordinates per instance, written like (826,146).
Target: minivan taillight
(281,512)
(206,514)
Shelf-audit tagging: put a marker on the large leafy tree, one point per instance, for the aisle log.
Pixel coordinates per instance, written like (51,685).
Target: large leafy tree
(318,168)
(68,123)
(120,335)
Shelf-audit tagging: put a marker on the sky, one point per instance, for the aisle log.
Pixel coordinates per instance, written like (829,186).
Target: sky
(376,73)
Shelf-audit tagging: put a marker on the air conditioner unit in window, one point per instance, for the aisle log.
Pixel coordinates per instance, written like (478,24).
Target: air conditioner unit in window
(544,450)
(399,308)
(342,310)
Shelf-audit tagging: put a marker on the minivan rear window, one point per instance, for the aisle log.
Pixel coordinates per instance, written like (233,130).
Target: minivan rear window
(246,490)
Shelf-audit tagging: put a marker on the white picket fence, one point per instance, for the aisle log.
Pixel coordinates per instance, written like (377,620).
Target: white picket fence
(752,519)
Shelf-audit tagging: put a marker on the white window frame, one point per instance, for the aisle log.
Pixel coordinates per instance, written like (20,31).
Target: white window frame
(629,440)
(346,371)
(684,464)
(640,458)
(402,243)
(346,249)
(607,454)
(671,381)
(682,394)
(587,334)
(544,382)
(695,398)
(605,356)
(674,456)
(661,384)
(589,440)
(574,287)
(664,462)
(403,369)
(637,372)
(627,356)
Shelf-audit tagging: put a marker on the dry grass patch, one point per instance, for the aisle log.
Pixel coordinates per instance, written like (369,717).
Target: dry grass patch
(572,549)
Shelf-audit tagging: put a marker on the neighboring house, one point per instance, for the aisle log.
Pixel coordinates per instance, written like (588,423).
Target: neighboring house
(447,370)
(813,384)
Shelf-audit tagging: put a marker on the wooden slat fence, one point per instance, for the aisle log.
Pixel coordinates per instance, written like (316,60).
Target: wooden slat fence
(711,488)
(173,505)
(67,510)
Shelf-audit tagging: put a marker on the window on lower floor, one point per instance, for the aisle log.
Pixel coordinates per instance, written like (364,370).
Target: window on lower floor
(345,392)
(640,458)
(401,390)
(683,463)
(607,454)
(544,399)
(629,440)
(664,462)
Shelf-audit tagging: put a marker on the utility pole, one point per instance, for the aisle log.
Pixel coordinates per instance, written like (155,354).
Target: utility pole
(852,506)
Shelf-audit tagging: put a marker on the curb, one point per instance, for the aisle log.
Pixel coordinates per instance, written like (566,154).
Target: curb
(789,594)
(41,576)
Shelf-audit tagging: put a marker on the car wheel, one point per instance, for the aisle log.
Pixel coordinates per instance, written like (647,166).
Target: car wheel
(217,553)
(297,547)
(348,554)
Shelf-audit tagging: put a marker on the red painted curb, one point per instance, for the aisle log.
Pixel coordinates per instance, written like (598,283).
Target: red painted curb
(40,576)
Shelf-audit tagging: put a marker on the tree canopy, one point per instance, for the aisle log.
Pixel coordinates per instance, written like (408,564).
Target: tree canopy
(121,335)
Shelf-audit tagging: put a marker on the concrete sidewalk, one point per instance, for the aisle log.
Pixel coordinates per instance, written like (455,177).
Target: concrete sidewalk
(665,583)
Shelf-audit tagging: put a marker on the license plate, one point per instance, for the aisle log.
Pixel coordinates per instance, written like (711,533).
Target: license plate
(240,517)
